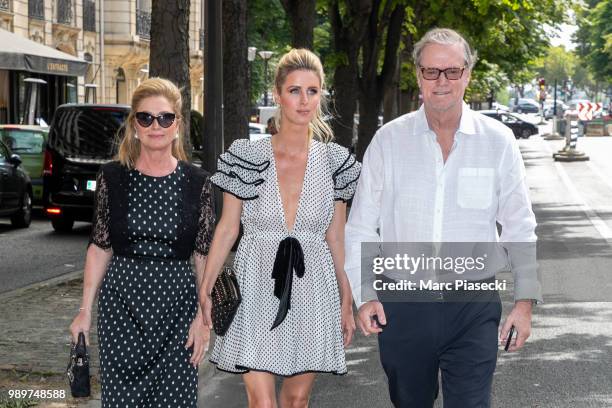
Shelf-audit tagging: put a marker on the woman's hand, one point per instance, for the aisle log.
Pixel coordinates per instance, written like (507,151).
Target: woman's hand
(199,337)
(81,323)
(348,323)
(206,307)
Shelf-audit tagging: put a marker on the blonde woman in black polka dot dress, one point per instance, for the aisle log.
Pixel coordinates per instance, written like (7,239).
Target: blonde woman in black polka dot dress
(152,211)
(290,194)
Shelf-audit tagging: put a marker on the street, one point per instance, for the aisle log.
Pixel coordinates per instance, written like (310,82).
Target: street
(38,253)
(567,362)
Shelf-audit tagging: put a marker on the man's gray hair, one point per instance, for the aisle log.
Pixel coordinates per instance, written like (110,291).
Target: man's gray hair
(444,36)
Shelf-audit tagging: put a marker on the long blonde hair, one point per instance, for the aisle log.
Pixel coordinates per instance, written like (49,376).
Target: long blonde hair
(305,60)
(129,147)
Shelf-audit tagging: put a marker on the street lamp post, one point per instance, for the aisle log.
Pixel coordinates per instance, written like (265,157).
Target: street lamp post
(266,55)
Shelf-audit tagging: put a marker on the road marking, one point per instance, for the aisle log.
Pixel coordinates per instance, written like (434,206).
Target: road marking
(599,224)
(599,174)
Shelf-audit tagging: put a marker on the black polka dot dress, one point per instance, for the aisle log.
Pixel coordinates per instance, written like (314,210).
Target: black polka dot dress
(310,337)
(148,300)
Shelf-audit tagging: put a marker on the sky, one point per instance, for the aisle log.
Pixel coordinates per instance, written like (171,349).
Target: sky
(564,36)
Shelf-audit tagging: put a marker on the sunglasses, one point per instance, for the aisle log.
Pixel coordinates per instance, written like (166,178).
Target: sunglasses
(145,119)
(452,74)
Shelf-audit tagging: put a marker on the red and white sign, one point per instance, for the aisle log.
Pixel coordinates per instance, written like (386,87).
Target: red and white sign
(587,109)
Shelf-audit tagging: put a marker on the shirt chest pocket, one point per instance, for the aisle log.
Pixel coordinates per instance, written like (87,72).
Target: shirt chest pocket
(475,186)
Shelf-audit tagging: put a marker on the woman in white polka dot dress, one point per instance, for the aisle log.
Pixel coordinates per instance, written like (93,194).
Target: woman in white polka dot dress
(152,211)
(290,193)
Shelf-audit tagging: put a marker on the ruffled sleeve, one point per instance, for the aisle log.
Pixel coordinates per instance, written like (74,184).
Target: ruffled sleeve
(100,231)
(240,170)
(206,222)
(345,171)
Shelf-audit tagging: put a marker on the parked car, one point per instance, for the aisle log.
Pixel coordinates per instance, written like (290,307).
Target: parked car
(257,131)
(526,105)
(549,109)
(520,127)
(81,138)
(15,189)
(29,143)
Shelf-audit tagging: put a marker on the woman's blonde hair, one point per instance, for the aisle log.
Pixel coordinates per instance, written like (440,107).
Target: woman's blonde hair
(129,147)
(305,60)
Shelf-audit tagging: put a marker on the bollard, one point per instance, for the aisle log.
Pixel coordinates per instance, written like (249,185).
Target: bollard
(569,152)
(554,135)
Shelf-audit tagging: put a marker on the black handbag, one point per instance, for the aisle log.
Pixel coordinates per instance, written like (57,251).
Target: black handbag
(225,300)
(78,369)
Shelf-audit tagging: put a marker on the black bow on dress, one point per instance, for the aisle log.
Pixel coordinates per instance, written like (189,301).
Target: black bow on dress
(289,257)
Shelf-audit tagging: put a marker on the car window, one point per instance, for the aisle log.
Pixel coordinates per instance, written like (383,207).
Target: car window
(90,133)
(23,141)
(253,129)
(3,153)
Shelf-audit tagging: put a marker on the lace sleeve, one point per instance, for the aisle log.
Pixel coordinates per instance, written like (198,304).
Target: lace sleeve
(206,222)
(100,231)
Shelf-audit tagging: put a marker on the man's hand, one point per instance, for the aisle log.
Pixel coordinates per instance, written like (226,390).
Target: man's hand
(365,317)
(520,318)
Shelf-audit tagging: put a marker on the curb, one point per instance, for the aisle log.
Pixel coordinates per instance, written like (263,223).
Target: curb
(58,280)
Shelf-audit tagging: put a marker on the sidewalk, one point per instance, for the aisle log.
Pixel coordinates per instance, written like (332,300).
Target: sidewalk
(35,342)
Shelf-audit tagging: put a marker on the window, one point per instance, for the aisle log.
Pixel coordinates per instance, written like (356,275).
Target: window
(23,141)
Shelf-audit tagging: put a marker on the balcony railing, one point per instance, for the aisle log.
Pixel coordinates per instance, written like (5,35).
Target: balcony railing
(201,39)
(36,9)
(89,15)
(5,5)
(64,11)
(143,24)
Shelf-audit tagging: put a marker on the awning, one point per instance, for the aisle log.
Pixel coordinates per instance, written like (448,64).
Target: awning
(22,54)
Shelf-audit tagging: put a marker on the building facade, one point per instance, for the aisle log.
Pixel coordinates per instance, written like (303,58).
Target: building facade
(112,36)
(126,49)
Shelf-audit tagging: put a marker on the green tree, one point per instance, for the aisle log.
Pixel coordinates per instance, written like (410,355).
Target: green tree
(594,38)
(558,64)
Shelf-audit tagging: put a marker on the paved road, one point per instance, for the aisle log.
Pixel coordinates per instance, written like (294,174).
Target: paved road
(38,253)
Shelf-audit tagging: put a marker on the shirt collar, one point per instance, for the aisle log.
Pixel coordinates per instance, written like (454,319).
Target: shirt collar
(466,124)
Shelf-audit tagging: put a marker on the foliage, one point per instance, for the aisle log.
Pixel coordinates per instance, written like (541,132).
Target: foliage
(558,64)
(594,38)
(267,29)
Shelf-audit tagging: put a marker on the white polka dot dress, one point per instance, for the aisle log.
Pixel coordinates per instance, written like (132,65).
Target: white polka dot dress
(147,302)
(310,337)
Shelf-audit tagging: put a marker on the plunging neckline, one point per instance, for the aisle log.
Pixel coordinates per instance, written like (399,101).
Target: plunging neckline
(278,188)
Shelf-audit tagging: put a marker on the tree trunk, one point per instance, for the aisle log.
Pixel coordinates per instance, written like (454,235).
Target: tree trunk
(344,104)
(390,99)
(169,52)
(347,34)
(372,86)
(302,15)
(236,78)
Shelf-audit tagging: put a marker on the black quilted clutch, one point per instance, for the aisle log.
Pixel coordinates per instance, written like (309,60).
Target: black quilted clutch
(78,369)
(225,300)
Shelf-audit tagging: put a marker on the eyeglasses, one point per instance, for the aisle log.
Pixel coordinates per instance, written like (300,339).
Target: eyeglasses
(145,119)
(452,74)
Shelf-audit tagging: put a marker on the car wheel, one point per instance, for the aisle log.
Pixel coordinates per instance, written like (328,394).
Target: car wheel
(23,217)
(62,224)
(525,133)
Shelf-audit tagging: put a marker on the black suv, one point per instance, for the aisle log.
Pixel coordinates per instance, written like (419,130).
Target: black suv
(15,189)
(81,138)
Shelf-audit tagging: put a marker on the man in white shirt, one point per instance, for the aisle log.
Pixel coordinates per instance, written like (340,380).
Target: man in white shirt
(442,174)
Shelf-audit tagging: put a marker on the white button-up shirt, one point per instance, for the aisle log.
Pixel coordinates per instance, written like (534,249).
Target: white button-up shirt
(407,193)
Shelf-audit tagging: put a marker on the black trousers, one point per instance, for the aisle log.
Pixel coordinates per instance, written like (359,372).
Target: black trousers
(457,338)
